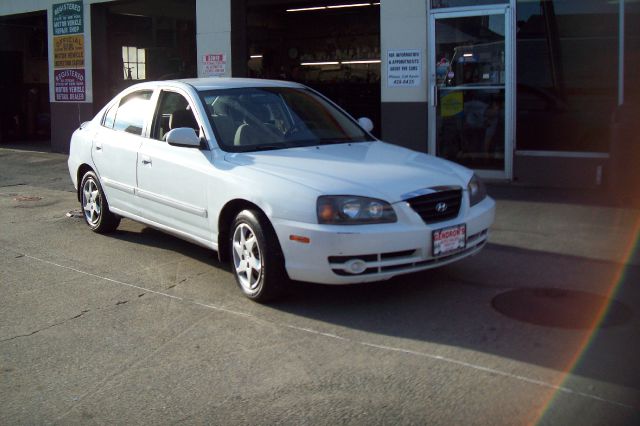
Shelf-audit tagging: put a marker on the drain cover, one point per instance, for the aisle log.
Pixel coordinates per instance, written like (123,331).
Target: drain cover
(553,307)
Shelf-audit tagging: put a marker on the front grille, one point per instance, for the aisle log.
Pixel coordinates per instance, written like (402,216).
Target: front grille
(427,205)
(344,259)
(401,261)
(406,264)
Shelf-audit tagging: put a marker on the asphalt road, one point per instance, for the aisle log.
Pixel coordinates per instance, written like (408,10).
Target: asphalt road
(139,327)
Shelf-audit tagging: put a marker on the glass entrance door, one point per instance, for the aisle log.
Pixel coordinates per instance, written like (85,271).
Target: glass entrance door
(471,99)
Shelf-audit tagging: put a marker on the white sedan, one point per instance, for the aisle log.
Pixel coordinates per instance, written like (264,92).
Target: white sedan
(278,180)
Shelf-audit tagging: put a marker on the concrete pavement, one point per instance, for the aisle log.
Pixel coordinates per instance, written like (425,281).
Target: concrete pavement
(140,327)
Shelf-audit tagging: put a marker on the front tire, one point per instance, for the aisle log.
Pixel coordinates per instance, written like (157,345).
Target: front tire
(95,207)
(257,261)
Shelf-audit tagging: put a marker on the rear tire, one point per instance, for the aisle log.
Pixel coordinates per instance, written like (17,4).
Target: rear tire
(95,207)
(256,257)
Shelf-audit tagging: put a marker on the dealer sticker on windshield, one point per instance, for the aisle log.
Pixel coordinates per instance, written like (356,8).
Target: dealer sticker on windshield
(448,240)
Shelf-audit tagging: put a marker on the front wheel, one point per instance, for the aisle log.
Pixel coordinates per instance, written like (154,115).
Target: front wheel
(95,207)
(258,263)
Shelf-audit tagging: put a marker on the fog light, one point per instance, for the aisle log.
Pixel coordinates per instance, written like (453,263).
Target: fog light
(355,266)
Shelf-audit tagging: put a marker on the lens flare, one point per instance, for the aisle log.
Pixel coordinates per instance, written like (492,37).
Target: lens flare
(632,247)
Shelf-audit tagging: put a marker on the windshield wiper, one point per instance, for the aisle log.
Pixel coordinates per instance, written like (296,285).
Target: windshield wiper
(269,147)
(330,141)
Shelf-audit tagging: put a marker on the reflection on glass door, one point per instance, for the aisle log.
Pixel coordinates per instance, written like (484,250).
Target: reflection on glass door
(470,91)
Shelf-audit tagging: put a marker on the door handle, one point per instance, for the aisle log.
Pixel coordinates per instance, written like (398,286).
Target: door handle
(146,160)
(435,95)
(98,146)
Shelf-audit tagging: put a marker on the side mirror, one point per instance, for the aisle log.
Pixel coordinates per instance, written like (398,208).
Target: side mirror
(183,136)
(366,123)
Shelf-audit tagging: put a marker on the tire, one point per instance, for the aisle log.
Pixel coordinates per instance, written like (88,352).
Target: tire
(256,258)
(95,207)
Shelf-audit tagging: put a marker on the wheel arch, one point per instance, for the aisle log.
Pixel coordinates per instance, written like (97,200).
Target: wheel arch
(227,215)
(82,170)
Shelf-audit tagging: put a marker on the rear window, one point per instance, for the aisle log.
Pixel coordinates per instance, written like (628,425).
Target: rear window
(131,113)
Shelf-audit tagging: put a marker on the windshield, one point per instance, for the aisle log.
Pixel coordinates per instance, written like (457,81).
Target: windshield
(255,119)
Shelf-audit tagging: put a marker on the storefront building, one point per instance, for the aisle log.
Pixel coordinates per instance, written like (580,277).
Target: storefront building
(518,90)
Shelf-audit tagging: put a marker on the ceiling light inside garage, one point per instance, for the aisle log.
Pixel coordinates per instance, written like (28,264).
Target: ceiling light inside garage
(356,62)
(342,6)
(312,64)
(366,61)
(307,9)
(337,6)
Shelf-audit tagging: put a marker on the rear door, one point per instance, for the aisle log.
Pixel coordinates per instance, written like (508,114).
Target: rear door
(115,148)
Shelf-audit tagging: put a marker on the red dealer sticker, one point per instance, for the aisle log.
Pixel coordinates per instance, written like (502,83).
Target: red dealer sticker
(448,240)
(70,85)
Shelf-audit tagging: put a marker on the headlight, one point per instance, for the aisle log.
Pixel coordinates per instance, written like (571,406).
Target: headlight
(353,210)
(477,191)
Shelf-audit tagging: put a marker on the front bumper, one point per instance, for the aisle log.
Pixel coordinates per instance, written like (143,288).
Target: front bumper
(380,251)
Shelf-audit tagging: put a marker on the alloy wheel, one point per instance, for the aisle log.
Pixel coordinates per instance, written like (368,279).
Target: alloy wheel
(91,202)
(247,259)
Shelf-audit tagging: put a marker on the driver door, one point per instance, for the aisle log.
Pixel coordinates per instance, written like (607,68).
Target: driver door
(173,180)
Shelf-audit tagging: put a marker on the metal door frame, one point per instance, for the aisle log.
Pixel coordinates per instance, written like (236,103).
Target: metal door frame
(509,39)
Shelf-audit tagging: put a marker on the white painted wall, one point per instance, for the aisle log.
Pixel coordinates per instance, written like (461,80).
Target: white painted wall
(213,30)
(403,25)
(12,7)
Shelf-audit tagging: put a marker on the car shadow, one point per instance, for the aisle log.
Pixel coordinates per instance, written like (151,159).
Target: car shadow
(455,306)
(152,237)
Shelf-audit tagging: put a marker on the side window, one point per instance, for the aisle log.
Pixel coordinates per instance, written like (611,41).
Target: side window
(173,112)
(132,111)
(109,117)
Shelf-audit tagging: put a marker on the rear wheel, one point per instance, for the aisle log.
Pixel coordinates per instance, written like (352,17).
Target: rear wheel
(95,207)
(257,260)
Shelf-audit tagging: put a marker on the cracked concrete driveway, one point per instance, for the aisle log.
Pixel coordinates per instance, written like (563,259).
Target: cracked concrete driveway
(139,327)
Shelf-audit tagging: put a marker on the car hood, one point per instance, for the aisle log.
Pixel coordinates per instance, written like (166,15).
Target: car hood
(372,169)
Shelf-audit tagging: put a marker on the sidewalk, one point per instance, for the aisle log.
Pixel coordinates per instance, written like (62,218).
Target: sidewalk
(581,223)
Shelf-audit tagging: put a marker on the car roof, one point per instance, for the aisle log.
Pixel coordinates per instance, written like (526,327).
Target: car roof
(234,83)
(210,83)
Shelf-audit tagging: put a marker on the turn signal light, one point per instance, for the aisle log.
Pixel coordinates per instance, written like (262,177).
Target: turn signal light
(300,239)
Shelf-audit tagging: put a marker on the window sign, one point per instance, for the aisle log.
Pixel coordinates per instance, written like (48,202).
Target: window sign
(68,18)
(404,68)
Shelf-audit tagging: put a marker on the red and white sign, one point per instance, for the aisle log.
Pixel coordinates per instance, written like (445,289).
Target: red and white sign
(214,65)
(449,240)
